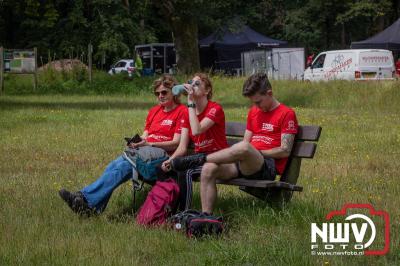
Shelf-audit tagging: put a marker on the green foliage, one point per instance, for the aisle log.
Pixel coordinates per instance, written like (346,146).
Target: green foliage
(65,28)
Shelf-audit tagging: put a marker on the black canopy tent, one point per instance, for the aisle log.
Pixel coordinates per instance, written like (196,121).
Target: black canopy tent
(222,50)
(388,39)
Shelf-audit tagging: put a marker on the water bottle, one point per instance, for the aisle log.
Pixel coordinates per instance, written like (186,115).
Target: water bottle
(178,89)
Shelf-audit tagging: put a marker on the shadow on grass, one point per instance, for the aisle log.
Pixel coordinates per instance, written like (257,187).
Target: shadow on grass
(93,105)
(235,208)
(127,209)
(99,105)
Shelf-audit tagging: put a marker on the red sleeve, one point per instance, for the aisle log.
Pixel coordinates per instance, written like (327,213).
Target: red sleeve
(180,120)
(289,123)
(149,118)
(216,114)
(184,123)
(249,120)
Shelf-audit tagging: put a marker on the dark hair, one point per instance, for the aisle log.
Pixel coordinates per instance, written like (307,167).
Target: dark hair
(168,81)
(207,83)
(256,83)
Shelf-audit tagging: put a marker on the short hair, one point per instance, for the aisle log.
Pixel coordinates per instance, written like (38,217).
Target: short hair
(207,83)
(256,83)
(168,81)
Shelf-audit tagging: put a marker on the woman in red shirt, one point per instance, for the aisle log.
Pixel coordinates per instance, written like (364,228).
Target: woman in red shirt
(204,125)
(162,130)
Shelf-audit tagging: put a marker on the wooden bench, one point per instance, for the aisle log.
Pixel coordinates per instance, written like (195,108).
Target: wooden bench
(281,191)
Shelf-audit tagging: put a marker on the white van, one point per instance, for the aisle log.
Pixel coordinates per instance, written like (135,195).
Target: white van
(353,64)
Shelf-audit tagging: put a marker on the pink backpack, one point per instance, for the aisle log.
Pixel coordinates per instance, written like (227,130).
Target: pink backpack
(159,204)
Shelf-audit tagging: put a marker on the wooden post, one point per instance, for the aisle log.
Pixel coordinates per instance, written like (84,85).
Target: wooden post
(35,74)
(165,58)
(90,50)
(151,57)
(1,70)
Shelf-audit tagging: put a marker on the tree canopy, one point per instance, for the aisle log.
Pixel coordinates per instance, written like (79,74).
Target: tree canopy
(64,28)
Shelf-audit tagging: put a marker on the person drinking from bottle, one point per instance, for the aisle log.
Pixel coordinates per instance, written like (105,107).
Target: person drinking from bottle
(204,125)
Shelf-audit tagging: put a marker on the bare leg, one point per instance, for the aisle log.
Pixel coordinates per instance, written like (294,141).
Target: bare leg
(250,160)
(208,187)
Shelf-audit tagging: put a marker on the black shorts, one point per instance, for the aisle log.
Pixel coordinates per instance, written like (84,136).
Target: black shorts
(267,171)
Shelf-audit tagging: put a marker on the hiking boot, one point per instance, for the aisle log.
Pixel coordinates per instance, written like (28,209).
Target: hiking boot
(188,162)
(67,196)
(80,205)
(75,200)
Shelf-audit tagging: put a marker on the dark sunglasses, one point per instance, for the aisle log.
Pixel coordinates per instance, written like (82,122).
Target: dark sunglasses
(163,93)
(194,83)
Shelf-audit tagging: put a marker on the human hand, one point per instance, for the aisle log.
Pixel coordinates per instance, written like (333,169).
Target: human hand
(166,165)
(190,91)
(138,144)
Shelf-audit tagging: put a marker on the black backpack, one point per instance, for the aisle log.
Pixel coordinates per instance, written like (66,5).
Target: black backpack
(197,224)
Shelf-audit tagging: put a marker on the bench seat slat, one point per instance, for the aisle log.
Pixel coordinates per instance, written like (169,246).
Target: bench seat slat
(260,184)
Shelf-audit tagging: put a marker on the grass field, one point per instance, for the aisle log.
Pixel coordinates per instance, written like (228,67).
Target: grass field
(53,141)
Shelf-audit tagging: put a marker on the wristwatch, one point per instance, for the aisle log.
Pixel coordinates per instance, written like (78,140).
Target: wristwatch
(191,105)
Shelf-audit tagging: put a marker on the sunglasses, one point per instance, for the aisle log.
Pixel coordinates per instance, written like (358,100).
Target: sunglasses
(163,93)
(194,83)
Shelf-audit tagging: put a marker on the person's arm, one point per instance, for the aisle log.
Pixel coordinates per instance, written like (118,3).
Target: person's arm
(183,144)
(145,134)
(167,145)
(180,151)
(247,135)
(284,150)
(142,142)
(197,126)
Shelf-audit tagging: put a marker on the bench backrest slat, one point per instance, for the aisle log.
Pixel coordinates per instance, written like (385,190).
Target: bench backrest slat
(307,133)
(300,149)
(304,150)
(235,129)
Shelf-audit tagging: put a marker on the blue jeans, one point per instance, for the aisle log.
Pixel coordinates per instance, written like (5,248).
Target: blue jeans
(99,192)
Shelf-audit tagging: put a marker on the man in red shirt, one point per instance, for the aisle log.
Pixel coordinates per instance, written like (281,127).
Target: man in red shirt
(267,143)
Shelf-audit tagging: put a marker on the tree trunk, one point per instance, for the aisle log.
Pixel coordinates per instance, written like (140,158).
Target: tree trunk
(343,37)
(186,44)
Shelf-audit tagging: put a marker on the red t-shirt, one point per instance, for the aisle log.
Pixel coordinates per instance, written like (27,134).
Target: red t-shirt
(267,128)
(214,138)
(162,125)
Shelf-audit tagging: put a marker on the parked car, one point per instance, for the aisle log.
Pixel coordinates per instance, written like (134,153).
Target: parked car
(352,64)
(123,66)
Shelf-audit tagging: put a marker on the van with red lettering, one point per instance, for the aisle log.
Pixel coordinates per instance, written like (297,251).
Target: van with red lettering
(352,64)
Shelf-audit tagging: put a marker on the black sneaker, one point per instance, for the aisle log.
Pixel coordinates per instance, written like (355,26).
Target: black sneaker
(188,162)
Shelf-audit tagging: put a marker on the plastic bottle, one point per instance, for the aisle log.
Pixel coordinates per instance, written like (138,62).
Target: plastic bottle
(178,89)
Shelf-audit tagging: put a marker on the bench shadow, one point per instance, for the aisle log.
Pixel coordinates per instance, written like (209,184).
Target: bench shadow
(232,207)
(128,211)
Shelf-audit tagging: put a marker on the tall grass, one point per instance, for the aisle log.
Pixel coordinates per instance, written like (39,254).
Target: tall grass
(52,141)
